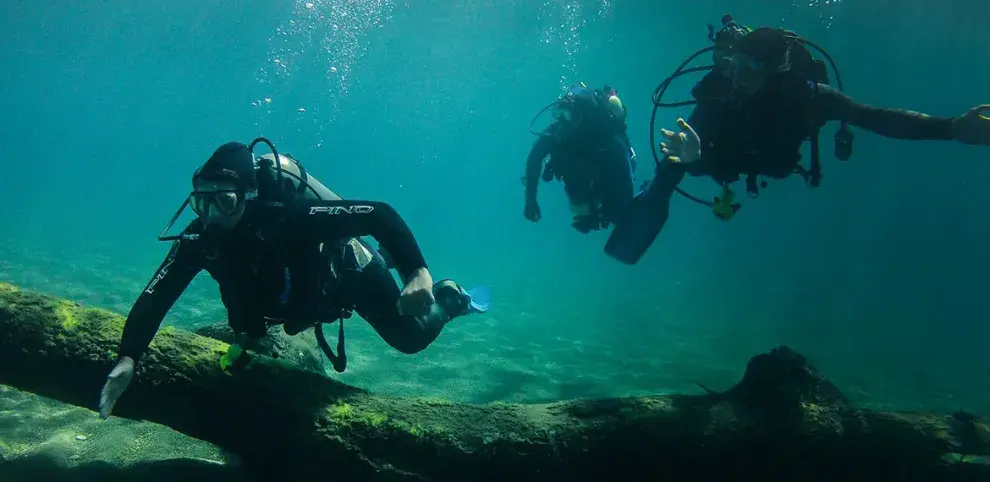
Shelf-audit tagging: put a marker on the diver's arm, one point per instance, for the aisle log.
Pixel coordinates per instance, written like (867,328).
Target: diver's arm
(534,163)
(328,220)
(831,104)
(173,276)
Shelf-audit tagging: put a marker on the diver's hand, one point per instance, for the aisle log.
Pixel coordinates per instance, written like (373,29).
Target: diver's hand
(118,380)
(417,296)
(532,211)
(973,127)
(683,147)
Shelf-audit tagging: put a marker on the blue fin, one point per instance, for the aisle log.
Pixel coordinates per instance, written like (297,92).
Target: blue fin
(480,299)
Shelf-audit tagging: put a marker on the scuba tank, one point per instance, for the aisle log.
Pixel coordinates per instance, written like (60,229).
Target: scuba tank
(288,181)
(296,184)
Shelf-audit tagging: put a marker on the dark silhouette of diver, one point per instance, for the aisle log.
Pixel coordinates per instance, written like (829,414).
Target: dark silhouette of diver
(589,152)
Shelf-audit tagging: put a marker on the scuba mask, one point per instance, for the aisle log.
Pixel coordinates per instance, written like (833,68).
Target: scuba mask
(565,112)
(220,203)
(217,204)
(570,107)
(747,73)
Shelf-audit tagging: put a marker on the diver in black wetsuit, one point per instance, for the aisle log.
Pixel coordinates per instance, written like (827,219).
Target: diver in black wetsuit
(763,98)
(285,250)
(590,152)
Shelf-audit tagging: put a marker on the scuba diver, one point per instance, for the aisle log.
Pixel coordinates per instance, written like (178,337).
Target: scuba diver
(285,250)
(763,97)
(589,151)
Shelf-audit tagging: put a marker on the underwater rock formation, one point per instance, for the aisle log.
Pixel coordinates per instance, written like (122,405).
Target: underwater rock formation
(300,350)
(42,439)
(782,422)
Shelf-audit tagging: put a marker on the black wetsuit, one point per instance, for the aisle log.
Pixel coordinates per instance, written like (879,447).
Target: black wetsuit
(763,135)
(594,164)
(281,265)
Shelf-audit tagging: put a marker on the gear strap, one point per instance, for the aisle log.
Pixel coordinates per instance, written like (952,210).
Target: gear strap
(339,359)
(814,177)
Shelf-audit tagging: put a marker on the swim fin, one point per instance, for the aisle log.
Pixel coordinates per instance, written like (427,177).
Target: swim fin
(457,301)
(480,299)
(639,225)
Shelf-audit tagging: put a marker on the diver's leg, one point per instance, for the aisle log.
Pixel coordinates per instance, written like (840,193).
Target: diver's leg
(645,216)
(617,182)
(375,297)
(584,218)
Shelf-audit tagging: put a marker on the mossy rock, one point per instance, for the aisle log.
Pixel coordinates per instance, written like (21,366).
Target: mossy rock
(300,350)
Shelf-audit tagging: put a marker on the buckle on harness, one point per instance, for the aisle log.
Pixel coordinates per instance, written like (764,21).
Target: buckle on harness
(338,360)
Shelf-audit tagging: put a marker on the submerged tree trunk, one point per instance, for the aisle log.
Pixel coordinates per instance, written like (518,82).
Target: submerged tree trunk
(781,422)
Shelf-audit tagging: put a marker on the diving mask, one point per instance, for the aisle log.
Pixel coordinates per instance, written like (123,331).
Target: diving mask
(747,72)
(563,112)
(212,204)
(743,70)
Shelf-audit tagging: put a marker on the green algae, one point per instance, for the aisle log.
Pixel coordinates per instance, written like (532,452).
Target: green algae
(346,414)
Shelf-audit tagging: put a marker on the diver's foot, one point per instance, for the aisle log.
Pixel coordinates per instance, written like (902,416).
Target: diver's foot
(457,301)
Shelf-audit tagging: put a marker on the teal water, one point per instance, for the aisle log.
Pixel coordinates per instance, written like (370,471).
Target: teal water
(879,276)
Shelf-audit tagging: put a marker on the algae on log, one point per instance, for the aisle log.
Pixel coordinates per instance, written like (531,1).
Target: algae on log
(783,421)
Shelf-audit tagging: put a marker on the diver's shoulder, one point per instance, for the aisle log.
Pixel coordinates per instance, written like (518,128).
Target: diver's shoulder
(828,97)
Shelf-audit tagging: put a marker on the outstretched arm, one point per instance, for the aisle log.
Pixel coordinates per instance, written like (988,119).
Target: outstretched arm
(329,220)
(173,276)
(831,104)
(171,279)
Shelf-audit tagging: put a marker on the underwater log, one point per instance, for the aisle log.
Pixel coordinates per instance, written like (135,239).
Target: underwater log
(782,421)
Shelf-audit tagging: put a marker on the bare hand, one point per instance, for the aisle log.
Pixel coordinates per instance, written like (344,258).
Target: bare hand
(118,380)
(682,147)
(532,211)
(417,296)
